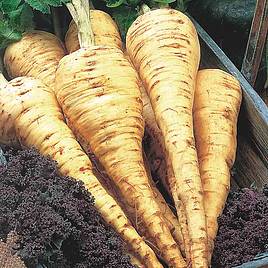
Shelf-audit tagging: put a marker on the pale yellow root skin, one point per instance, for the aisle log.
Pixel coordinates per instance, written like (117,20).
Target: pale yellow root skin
(180,208)
(135,261)
(164,47)
(97,89)
(36,55)
(164,166)
(104,29)
(131,212)
(165,171)
(32,111)
(168,215)
(216,107)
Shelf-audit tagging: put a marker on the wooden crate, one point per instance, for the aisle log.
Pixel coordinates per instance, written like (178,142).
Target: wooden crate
(251,166)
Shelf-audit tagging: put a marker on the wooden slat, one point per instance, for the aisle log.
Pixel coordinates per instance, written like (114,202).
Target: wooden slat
(249,170)
(259,262)
(256,41)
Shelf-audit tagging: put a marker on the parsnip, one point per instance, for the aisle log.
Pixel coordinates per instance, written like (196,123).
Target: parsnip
(164,168)
(163,45)
(216,107)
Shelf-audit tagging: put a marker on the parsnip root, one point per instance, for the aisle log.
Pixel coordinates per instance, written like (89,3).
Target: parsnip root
(163,45)
(216,107)
(36,55)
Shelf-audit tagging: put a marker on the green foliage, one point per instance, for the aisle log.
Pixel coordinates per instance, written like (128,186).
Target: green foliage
(40,6)
(16,17)
(9,5)
(44,5)
(117,3)
(7,34)
(114,3)
(124,16)
(164,1)
(179,4)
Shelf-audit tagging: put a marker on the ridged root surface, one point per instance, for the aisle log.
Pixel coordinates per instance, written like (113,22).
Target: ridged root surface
(36,55)
(164,47)
(104,29)
(216,107)
(34,111)
(99,93)
(164,168)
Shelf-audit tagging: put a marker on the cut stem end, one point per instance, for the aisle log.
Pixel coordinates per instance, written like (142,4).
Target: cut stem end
(144,9)
(80,12)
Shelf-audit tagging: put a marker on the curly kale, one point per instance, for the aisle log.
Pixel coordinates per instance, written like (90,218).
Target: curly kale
(243,228)
(54,217)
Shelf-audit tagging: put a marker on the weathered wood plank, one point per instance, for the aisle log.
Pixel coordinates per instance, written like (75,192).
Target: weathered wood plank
(260,261)
(249,168)
(256,41)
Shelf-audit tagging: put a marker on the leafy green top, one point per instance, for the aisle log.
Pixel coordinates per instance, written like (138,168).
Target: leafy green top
(126,11)
(16,16)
